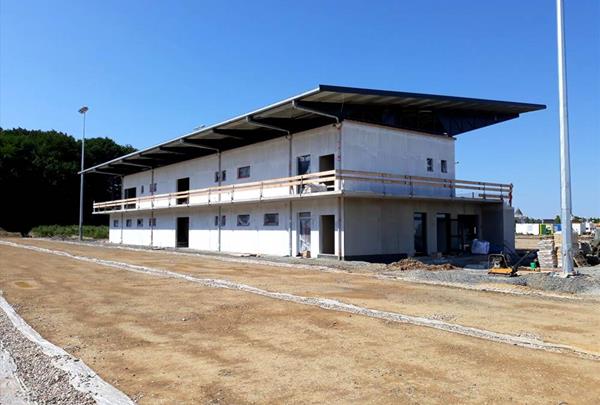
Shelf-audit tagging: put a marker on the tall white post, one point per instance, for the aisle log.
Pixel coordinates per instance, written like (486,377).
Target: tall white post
(82,110)
(565,164)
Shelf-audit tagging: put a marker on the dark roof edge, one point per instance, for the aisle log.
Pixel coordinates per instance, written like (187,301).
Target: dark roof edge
(392,93)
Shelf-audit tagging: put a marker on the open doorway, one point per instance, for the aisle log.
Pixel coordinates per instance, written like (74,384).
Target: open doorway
(302,167)
(327,234)
(443,232)
(183,185)
(420,229)
(326,163)
(183,232)
(129,193)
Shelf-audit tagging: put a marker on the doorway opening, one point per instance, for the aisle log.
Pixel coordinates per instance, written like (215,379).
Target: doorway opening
(443,233)
(183,232)
(303,233)
(420,228)
(183,185)
(302,167)
(129,193)
(326,163)
(327,234)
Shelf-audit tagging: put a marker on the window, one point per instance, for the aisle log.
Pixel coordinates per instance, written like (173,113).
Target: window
(243,172)
(243,220)
(223,176)
(152,188)
(223,220)
(142,189)
(128,223)
(271,220)
(152,222)
(429,164)
(444,166)
(115,223)
(140,222)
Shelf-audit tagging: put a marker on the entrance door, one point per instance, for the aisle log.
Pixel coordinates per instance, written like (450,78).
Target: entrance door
(303,232)
(183,232)
(467,226)
(443,233)
(326,163)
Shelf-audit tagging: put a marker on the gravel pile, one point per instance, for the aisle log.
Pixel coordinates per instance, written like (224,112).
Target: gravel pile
(587,283)
(413,264)
(46,384)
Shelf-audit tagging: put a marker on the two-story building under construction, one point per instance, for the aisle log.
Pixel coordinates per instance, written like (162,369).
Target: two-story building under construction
(342,172)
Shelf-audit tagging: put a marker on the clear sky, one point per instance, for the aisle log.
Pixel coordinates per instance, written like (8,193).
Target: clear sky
(153,70)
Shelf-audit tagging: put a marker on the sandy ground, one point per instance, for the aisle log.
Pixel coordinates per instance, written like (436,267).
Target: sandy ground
(171,341)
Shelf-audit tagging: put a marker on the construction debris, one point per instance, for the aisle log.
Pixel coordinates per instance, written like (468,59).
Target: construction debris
(413,264)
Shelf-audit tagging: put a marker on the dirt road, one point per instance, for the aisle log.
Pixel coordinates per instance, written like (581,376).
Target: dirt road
(172,341)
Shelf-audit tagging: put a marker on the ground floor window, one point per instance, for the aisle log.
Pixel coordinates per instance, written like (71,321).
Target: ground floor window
(271,220)
(115,223)
(152,222)
(420,228)
(128,223)
(140,222)
(243,220)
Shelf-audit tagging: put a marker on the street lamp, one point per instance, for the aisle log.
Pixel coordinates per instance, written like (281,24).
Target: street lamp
(82,110)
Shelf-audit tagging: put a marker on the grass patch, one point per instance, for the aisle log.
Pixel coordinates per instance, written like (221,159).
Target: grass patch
(66,231)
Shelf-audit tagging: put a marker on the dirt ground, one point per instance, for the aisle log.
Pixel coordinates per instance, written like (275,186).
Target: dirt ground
(170,341)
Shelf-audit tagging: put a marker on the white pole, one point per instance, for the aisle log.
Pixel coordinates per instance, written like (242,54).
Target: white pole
(565,165)
(83,110)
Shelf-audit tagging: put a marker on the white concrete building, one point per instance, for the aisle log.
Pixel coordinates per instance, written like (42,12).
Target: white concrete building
(342,172)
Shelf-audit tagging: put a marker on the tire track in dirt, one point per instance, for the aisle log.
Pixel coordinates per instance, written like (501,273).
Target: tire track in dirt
(328,304)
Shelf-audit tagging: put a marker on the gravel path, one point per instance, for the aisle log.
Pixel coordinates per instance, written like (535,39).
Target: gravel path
(45,383)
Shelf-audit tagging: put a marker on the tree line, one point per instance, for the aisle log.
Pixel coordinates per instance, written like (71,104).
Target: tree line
(39,182)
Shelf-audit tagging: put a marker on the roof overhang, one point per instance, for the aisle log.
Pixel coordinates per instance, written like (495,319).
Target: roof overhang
(428,113)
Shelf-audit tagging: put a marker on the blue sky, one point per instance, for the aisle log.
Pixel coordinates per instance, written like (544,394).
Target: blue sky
(153,70)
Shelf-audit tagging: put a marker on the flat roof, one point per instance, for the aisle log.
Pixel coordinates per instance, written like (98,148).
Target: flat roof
(428,113)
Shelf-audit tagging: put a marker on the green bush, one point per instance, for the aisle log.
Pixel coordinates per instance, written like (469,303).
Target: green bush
(67,231)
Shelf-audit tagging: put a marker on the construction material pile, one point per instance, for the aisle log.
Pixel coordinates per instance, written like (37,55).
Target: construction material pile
(547,254)
(413,264)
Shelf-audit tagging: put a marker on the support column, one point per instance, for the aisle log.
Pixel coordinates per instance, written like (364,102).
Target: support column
(152,207)
(219,214)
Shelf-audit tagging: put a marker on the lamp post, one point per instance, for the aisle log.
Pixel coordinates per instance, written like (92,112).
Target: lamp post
(565,164)
(82,110)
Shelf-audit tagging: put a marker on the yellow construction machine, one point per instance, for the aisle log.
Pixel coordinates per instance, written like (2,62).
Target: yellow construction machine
(498,264)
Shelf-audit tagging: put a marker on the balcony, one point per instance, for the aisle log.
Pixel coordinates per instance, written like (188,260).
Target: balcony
(321,184)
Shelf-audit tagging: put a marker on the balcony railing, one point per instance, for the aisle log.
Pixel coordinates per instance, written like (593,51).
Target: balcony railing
(321,183)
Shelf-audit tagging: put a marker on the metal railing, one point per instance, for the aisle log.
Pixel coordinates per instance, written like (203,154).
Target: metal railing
(385,184)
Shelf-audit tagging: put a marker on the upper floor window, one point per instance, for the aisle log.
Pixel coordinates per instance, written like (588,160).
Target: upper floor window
(444,166)
(271,220)
(243,220)
(115,223)
(223,220)
(152,222)
(243,172)
(140,222)
(128,223)
(152,187)
(142,189)
(429,164)
(223,176)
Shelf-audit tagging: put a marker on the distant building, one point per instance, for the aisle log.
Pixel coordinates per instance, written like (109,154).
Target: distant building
(344,172)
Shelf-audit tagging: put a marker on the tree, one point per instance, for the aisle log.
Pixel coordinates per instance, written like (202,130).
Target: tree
(557,219)
(39,180)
